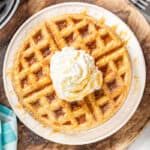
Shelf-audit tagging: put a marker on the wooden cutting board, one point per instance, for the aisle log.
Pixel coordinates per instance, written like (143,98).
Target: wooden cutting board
(125,136)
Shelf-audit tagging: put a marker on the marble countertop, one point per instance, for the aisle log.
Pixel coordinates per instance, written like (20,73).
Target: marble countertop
(143,141)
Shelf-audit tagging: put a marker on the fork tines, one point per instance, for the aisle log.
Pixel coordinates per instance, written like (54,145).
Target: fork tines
(142,4)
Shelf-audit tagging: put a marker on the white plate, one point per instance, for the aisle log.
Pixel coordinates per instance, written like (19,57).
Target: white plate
(137,83)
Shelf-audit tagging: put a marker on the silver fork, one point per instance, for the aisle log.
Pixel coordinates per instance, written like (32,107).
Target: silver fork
(144,6)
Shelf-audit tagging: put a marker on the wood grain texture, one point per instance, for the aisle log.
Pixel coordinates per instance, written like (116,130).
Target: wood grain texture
(120,140)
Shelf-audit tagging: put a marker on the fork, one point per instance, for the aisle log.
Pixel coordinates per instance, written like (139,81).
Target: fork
(144,6)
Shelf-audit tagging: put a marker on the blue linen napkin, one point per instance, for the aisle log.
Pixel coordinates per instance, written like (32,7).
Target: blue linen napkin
(8,129)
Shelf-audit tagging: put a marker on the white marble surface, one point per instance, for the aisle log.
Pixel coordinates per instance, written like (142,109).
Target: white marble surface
(143,141)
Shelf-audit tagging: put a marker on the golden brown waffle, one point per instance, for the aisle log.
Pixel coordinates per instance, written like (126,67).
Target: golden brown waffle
(31,72)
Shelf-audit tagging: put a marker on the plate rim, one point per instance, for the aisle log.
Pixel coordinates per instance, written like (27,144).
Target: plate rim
(28,21)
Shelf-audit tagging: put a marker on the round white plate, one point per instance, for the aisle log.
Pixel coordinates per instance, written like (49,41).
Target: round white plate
(137,83)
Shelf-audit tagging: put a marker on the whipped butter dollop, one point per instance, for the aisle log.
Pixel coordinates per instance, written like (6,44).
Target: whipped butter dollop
(74,74)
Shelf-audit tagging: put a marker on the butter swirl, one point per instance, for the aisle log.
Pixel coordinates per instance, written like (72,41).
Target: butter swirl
(74,74)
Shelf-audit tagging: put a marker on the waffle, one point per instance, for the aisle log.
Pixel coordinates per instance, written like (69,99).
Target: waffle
(31,72)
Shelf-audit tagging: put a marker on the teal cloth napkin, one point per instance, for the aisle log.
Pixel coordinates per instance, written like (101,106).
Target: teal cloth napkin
(8,129)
